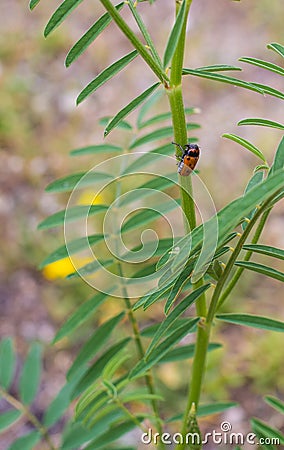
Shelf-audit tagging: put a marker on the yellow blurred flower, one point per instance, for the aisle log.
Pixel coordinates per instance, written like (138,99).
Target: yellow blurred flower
(89,198)
(63,267)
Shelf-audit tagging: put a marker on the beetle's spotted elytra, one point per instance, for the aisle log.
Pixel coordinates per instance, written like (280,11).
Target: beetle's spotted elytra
(188,159)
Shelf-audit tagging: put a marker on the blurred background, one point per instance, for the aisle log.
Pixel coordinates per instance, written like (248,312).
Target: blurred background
(40,124)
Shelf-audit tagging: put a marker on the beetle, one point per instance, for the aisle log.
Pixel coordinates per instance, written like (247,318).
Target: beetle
(189,158)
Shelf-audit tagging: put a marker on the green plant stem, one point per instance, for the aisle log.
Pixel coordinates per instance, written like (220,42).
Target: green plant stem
(205,326)
(247,257)
(29,415)
(144,31)
(135,41)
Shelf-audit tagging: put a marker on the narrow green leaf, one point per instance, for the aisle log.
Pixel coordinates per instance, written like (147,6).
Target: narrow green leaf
(33,4)
(173,316)
(73,247)
(174,35)
(260,268)
(261,122)
(106,75)
(222,79)
(89,37)
(266,430)
(156,184)
(66,7)
(162,349)
(123,124)
(218,68)
(59,404)
(78,434)
(178,284)
(80,316)
(30,376)
(151,330)
(8,418)
(275,403)
(7,362)
(148,106)
(151,298)
(161,133)
(248,145)
(148,215)
(278,162)
(90,268)
(250,320)
(184,352)
(148,158)
(264,64)
(26,442)
(269,90)
(278,48)
(93,345)
(114,433)
(164,116)
(73,213)
(129,108)
(214,408)
(95,371)
(70,182)
(254,181)
(96,149)
(265,250)
(133,7)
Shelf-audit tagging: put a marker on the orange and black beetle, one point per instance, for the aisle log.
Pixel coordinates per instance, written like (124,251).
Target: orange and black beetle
(188,159)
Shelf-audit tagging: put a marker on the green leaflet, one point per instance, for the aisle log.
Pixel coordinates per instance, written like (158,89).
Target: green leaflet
(71,214)
(265,250)
(7,362)
(218,68)
(106,75)
(164,116)
(129,108)
(275,403)
(208,410)
(175,35)
(262,122)
(26,442)
(95,371)
(161,133)
(66,7)
(261,268)
(183,352)
(162,349)
(67,184)
(252,321)
(93,32)
(30,376)
(72,247)
(255,180)
(33,4)
(278,48)
(93,345)
(222,79)
(80,316)
(263,64)
(174,315)
(8,418)
(248,145)
(265,430)
(96,149)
